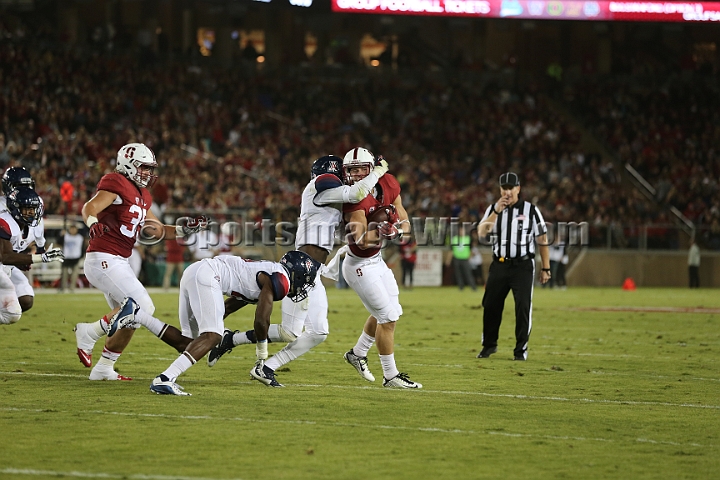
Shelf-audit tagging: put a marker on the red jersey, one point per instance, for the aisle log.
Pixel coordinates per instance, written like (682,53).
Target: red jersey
(123,217)
(388,190)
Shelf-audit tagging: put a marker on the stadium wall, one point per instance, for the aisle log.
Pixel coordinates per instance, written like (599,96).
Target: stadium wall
(602,268)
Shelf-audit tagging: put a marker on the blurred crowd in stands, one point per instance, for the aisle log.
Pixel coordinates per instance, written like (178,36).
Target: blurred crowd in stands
(239,145)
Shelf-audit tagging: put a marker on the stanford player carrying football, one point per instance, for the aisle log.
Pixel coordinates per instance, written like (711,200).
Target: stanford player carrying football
(115,215)
(367,273)
(305,324)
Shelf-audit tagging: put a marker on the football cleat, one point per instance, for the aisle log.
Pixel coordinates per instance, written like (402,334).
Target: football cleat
(163,386)
(85,343)
(125,317)
(264,374)
(486,352)
(106,373)
(225,346)
(360,364)
(401,380)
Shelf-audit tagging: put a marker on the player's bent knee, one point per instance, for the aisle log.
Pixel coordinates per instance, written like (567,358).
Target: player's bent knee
(317,338)
(9,317)
(285,335)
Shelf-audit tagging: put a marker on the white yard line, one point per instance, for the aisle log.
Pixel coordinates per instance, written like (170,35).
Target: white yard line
(442,392)
(137,476)
(355,425)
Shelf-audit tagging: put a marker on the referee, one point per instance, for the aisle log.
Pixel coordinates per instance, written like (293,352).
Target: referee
(515,224)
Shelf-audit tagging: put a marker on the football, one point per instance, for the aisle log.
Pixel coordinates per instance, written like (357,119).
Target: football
(384,213)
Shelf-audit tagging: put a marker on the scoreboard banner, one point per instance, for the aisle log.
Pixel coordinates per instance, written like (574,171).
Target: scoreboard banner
(541,9)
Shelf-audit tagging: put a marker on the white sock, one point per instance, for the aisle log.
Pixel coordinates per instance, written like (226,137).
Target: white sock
(294,349)
(388,366)
(110,355)
(241,338)
(151,323)
(99,328)
(363,345)
(178,367)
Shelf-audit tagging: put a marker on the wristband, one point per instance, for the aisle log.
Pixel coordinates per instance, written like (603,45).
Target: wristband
(179,231)
(493,210)
(37,258)
(91,220)
(546,270)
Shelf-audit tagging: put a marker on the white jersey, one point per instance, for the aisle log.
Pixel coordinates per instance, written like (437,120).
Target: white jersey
(10,230)
(238,277)
(321,208)
(38,230)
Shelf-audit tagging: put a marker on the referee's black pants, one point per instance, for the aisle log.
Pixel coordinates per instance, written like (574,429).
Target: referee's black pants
(502,278)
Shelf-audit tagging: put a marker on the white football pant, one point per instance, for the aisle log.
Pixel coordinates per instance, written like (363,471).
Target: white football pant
(202,304)
(376,286)
(112,275)
(10,311)
(21,283)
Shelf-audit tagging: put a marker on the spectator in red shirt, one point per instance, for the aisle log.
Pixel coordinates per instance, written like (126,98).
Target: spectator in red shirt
(408,252)
(174,261)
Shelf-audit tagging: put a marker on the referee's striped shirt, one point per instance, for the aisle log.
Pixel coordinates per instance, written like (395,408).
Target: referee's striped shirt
(516,227)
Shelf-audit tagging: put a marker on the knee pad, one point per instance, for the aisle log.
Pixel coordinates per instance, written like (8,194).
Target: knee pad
(8,318)
(277,333)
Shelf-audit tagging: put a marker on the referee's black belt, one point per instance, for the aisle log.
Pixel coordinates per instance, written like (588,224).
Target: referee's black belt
(513,261)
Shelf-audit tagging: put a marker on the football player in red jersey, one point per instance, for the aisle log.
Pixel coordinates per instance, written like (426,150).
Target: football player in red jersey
(367,273)
(115,215)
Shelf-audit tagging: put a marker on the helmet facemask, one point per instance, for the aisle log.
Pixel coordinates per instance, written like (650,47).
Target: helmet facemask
(302,271)
(357,158)
(137,162)
(25,207)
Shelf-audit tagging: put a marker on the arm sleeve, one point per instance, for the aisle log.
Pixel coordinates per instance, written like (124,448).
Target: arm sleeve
(340,193)
(40,234)
(280,285)
(5,232)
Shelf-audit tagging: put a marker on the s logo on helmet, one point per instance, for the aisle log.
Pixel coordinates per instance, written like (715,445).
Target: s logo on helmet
(308,265)
(333,166)
(130,152)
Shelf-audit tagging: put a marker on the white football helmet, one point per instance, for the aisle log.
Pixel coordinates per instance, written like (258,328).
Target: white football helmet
(358,157)
(129,160)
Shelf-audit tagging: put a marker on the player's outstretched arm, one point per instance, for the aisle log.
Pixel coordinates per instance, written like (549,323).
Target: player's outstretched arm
(24,260)
(154,228)
(355,193)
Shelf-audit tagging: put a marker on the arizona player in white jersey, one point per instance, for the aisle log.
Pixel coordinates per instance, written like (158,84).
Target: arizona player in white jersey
(14,178)
(16,234)
(320,215)
(202,308)
(366,272)
(115,216)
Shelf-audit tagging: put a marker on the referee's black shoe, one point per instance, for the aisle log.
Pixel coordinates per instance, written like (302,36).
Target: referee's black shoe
(486,352)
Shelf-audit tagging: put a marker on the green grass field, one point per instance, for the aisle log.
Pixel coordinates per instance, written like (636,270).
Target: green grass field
(605,394)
